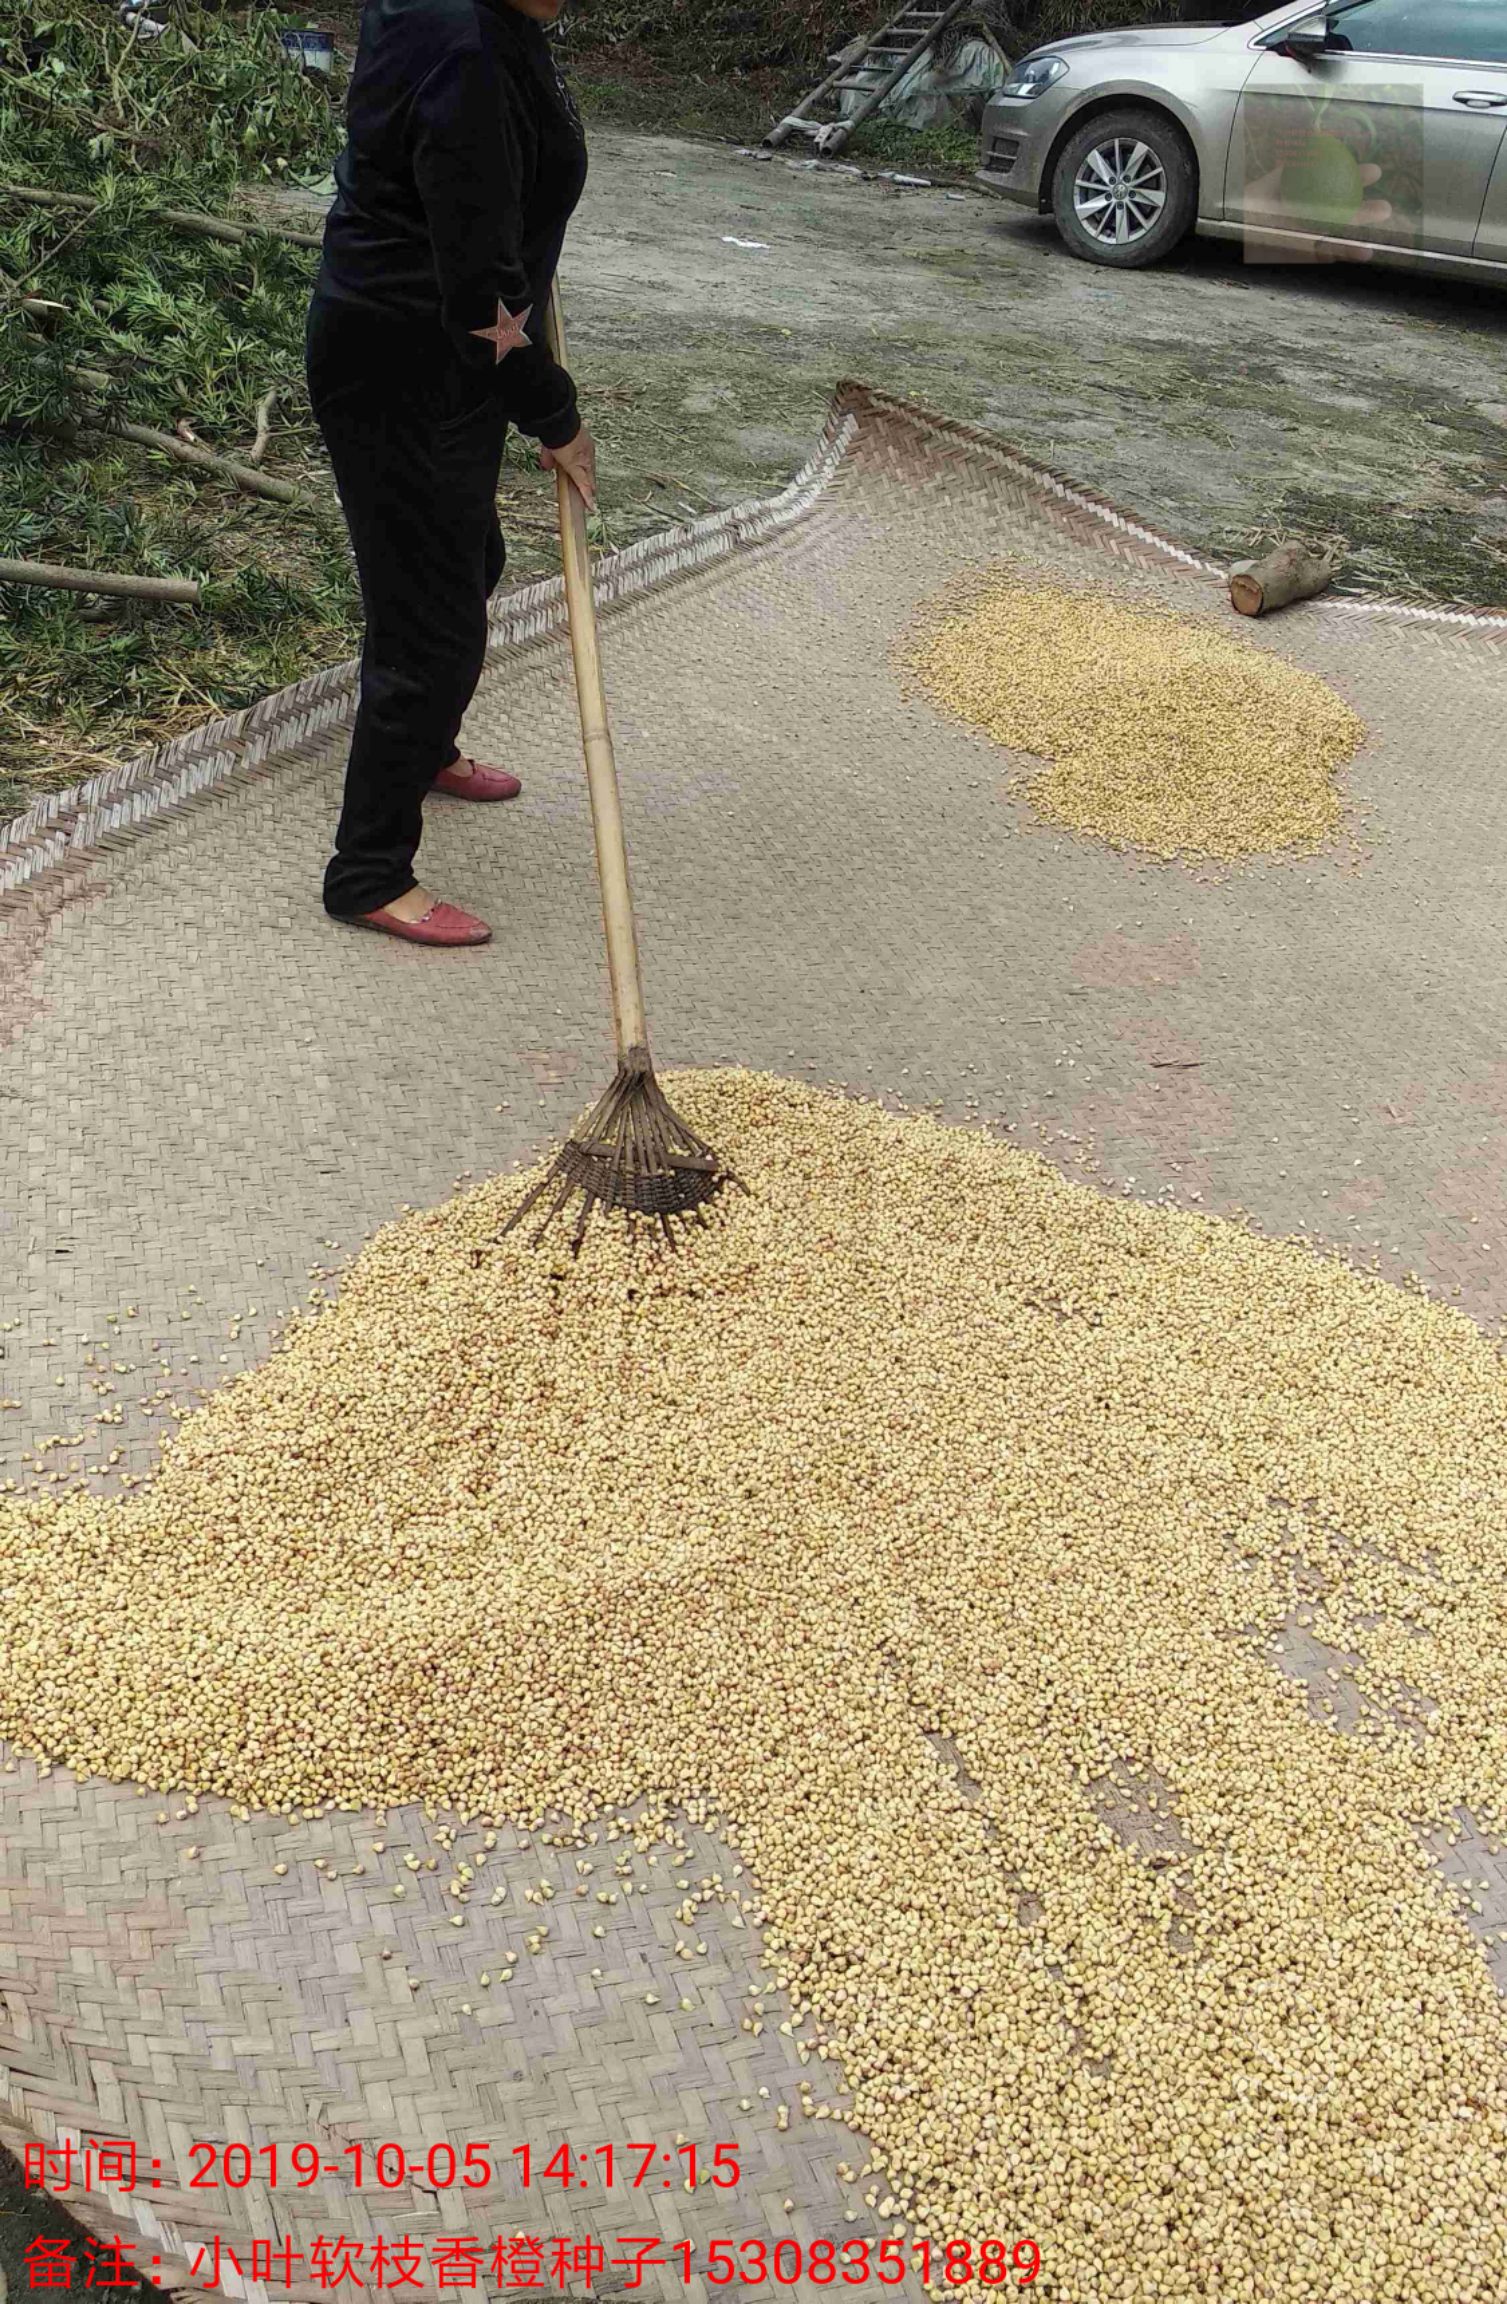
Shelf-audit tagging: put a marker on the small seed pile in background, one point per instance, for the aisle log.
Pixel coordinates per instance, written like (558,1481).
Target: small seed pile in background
(1161,732)
(923,1449)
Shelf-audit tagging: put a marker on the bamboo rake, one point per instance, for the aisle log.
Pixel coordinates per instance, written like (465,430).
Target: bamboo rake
(633,1152)
(596,741)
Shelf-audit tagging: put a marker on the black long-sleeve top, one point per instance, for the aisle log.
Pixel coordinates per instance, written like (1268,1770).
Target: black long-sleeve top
(464,158)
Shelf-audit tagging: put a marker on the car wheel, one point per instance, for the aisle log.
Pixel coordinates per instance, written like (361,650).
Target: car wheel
(1125,189)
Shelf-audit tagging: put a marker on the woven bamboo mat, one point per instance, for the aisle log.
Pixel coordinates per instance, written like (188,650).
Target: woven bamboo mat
(210,1094)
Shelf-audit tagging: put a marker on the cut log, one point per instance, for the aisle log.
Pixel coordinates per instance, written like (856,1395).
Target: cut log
(181,589)
(1290,572)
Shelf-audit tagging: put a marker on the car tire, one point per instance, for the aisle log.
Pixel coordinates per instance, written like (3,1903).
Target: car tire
(1142,165)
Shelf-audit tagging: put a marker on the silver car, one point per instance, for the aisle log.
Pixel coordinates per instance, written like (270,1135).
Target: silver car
(1370,128)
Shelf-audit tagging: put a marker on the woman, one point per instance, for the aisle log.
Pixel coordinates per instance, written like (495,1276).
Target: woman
(464,159)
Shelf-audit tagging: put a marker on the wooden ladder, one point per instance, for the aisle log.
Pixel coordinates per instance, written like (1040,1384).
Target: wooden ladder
(869,73)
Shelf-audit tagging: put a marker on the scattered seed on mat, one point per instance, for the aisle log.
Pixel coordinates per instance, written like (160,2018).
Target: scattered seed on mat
(917,1513)
(1159,731)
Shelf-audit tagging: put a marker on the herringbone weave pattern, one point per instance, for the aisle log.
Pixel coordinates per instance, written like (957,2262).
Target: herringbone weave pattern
(210,1094)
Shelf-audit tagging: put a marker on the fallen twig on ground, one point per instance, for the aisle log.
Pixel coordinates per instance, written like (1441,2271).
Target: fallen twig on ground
(205,459)
(184,306)
(187,450)
(264,408)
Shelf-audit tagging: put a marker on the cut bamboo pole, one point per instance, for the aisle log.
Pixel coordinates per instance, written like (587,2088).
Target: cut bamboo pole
(181,219)
(180,589)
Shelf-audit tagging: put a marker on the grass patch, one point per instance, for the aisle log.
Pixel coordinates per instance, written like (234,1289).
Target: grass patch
(952,149)
(1429,553)
(629,87)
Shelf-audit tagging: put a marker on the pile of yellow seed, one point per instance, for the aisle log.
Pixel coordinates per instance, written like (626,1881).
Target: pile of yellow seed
(922,1441)
(1160,732)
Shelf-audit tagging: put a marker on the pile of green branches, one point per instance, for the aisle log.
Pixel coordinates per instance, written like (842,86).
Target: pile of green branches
(116,320)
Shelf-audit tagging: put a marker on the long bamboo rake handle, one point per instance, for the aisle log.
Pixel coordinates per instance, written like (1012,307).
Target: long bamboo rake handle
(596,741)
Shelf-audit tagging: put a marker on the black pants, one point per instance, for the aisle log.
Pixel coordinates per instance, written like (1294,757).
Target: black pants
(416,441)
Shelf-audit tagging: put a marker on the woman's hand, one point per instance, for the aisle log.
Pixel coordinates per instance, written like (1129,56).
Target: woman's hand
(578,461)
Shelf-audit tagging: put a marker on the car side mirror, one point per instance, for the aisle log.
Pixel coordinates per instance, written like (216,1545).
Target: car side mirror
(1304,41)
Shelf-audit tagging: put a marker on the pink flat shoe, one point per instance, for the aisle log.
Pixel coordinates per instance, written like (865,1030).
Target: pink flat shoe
(441,924)
(481,784)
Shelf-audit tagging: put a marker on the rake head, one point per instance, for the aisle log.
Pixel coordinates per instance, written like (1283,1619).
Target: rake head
(633,1152)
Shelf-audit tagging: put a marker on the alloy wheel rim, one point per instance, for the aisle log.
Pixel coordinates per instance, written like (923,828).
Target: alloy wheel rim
(1119,191)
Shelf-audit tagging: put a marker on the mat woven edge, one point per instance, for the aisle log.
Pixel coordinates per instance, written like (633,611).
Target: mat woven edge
(1060,485)
(66,829)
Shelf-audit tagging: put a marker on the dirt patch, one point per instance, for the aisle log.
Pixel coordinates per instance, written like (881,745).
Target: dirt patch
(977,309)
(1220,401)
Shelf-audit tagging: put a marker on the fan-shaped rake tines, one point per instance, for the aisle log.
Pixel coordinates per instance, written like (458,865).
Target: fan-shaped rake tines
(632,1152)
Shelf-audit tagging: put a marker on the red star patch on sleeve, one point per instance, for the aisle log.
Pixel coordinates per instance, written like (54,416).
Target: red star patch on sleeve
(507,332)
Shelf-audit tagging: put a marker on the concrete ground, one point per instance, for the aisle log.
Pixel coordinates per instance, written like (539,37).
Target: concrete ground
(1215,398)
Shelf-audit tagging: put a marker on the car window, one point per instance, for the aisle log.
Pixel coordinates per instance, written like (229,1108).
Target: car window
(1472,30)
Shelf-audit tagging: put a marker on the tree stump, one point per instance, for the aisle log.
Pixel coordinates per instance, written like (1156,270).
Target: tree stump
(1290,572)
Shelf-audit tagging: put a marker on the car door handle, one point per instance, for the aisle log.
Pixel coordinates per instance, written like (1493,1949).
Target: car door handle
(1478,100)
